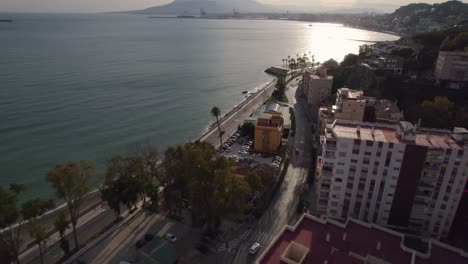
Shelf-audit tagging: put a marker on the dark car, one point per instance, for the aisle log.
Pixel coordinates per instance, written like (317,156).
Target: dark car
(140,243)
(149,237)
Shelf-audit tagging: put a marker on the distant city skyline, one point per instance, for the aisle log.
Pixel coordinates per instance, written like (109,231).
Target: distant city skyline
(72,6)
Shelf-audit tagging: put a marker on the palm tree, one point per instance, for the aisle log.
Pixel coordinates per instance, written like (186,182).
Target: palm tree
(216,112)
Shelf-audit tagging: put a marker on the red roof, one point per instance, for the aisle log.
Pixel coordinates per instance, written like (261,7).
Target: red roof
(361,238)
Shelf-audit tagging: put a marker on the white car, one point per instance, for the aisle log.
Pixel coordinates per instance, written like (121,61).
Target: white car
(254,248)
(171,237)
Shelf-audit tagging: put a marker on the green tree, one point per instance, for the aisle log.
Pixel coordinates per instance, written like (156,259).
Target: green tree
(248,129)
(12,217)
(254,181)
(36,207)
(71,183)
(279,93)
(9,215)
(39,233)
(331,64)
(456,43)
(438,112)
(365,51)
(122,180)
(110,193)
(61,224)
(216,112)
(349,60)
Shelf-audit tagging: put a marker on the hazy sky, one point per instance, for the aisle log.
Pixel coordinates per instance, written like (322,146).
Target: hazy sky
(118,5)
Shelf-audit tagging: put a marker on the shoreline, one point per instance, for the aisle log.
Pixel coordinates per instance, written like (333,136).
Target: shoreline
(94,198)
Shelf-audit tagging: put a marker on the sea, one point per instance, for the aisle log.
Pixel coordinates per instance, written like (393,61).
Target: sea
(90,86)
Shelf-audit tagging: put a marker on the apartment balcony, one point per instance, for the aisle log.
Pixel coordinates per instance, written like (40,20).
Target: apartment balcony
(432,168)
(324,173)
(330,146)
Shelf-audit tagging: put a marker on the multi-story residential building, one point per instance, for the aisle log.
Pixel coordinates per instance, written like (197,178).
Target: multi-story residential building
(269,130)
(316,86)
(275,107)
(452,69)
(353,105)
(350,104)
(391,64)
(317,241)
(393,175)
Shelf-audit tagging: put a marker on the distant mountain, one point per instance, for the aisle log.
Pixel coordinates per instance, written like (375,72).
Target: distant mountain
(210,7)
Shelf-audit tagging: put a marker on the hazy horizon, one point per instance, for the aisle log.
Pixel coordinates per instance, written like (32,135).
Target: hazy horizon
(92,6)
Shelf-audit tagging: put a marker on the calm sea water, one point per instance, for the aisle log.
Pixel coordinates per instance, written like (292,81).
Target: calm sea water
(90,86)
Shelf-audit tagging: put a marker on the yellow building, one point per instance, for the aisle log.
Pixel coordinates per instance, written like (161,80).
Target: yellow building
(269,130)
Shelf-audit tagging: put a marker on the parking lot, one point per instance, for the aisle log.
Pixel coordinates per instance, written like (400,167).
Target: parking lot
(240,148)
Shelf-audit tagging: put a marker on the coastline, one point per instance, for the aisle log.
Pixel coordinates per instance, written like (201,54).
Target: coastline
(93,200)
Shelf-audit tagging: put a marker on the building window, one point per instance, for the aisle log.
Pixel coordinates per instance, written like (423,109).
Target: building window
(338,180)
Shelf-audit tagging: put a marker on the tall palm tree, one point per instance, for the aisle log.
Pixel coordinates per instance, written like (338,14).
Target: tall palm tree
(216,112)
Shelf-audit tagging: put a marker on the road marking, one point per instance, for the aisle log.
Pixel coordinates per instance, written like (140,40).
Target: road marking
(163,230)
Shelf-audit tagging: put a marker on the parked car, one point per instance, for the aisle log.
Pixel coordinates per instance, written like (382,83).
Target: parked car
(171,237)
(140,243)
(254,248)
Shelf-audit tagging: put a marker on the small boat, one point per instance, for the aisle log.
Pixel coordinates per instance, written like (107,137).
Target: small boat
(310,25)
(6,20)
(244,92)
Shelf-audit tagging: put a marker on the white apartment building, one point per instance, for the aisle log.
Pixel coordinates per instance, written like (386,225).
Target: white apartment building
(393,175)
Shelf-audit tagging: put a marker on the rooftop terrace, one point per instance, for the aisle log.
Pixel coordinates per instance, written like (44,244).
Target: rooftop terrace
(332,242)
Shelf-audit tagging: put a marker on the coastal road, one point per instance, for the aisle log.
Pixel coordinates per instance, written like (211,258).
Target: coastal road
(120,244)
(232,120)
(53,253)
(282,210)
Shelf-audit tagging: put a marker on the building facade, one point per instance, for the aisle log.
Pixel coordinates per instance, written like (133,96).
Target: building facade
(391,64)
(350,104)
(353,105)
(452,68)
(392,175)
(316,86)
(269,130)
